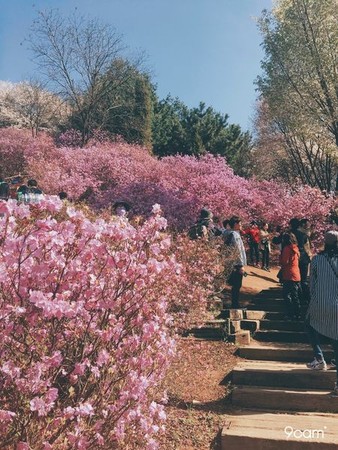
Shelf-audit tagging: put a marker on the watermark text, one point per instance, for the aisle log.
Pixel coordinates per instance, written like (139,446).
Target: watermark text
(304,434)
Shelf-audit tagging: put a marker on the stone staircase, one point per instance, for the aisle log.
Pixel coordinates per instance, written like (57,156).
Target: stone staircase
(277,402)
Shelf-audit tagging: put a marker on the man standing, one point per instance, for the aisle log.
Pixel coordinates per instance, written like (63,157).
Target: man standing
(234,240)
(253,240)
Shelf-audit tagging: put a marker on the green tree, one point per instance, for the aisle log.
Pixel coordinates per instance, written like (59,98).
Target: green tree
(300,83)
(168,130)
(127,106)
(195,131)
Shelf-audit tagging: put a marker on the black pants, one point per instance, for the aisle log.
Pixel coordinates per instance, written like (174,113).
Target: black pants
(254,253)
(265,257)
(291,298)
(304,294)
(236,286)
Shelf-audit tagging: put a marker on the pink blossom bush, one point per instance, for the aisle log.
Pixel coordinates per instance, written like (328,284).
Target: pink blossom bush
(84,330)
(104,172)
(203,268)
(13,144)
(70,138)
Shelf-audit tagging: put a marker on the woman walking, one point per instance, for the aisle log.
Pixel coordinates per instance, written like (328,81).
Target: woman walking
(322,317)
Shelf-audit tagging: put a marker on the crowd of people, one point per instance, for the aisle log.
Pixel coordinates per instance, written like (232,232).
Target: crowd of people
(17,189)
(309,283)
(24,192)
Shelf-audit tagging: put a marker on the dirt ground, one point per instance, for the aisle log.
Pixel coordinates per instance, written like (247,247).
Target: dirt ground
(196,382)
(256,281)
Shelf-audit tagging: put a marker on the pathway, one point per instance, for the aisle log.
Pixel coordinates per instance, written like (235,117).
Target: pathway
(278,402)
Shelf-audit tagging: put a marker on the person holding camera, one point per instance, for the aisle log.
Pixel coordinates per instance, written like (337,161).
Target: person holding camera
(265,246)
(233,239)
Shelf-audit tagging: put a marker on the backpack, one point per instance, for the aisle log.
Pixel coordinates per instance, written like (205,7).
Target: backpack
(229,238)
(196,231)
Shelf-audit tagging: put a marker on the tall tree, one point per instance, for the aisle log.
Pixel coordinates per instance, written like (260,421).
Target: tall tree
(300,82)
(127,106)
(280,152)
(29,105)
(74,54)
(169,132)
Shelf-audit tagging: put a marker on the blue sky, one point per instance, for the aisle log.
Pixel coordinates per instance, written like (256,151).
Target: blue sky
(197,50)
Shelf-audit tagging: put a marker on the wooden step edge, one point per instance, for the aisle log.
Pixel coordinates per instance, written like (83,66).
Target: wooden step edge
(261,430)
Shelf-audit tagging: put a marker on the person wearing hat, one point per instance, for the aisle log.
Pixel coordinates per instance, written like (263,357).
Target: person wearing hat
(121,208)
(322,315)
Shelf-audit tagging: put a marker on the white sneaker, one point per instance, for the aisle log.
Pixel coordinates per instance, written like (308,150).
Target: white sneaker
(317,365)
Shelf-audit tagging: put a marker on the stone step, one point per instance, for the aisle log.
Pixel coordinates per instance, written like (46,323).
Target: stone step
(268,306)
(276,351)
(282,325)
(251,430)
(212,329)
(216,323)
(257,314)
(206,333)
(282,374)
(284,336)
(271,306)
(264,298)
(287,399)
(274,316)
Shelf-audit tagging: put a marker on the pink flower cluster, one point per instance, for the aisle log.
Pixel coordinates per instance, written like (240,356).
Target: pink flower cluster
(104,172)
(85,334)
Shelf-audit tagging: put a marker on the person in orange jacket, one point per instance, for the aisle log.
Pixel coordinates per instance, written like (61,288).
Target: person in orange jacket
(291,276)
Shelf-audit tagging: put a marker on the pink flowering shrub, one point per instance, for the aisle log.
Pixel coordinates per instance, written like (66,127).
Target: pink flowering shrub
(70,138)
(204,270)
(13,144)
(104,172)
(84,330)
